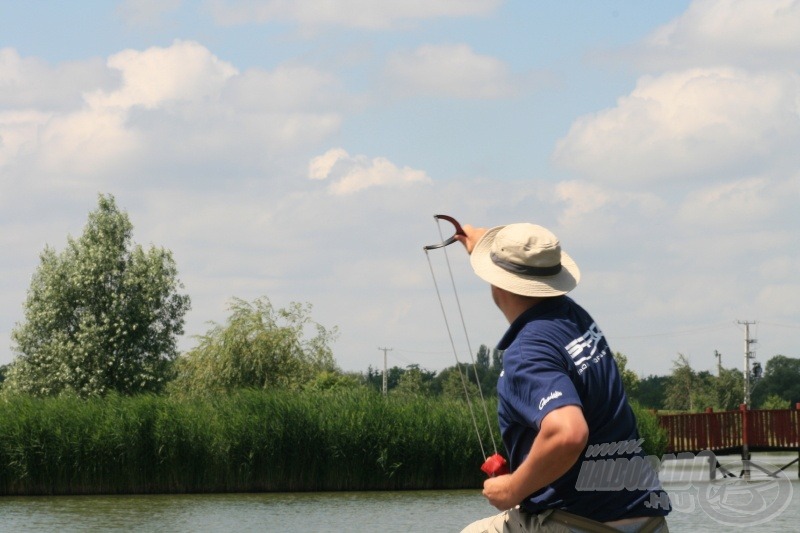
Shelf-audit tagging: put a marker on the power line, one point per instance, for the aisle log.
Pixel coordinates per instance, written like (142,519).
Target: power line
(790,326)
(714,327)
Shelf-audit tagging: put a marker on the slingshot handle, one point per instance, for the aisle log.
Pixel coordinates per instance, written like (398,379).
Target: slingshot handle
(451,240)
(495,465)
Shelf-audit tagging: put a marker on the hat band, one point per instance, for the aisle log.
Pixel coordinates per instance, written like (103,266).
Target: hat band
(526,270)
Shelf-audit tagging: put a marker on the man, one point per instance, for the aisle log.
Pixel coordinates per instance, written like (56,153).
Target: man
(573,447)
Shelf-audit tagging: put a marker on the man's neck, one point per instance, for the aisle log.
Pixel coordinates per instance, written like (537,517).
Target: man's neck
(516,305)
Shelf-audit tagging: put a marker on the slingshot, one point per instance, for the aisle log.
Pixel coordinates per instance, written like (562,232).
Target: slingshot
(495,464)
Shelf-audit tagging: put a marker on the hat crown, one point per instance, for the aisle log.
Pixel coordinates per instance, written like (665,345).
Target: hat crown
(527,245)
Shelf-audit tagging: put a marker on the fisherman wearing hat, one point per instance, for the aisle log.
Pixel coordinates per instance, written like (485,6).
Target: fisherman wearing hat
(573,447)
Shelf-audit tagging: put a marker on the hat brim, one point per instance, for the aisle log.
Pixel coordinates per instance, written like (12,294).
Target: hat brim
(521,284)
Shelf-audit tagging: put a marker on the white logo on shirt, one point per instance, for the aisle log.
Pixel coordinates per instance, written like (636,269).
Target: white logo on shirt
(553,395)
(577,348)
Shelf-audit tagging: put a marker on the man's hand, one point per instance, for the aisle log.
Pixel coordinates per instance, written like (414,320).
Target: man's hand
(561,440)
(499,491)
(471,237)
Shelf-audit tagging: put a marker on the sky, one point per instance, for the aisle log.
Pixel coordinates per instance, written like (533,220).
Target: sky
(299,150)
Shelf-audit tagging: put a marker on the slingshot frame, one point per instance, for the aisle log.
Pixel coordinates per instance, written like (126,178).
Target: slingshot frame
(495,464)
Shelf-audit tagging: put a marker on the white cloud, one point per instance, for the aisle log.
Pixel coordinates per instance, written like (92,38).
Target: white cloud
(30,83)
(685,125)
(287,88)
(758,34)
(739,204)
(585,201)
(168,106)
(156,77)
(362,14)
(352,174)
(448,71)
(320,167)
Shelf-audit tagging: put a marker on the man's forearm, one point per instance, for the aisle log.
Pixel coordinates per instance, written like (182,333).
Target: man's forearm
(561,440)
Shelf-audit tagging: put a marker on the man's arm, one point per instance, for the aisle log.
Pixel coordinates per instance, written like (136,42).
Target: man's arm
(561,439)
(471,236)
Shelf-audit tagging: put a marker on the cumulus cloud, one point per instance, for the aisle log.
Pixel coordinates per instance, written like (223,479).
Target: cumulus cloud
(733,204)
(350,174)
(31,83)
(362,14)
(162,106)
(758,34)
(454,71)
(685,125)
(320,167)
(156,77)
(588,203)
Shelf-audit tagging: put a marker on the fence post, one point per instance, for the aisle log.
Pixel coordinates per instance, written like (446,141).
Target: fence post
(745,447)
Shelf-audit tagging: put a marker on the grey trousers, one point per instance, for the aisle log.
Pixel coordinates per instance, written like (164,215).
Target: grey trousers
(556,521)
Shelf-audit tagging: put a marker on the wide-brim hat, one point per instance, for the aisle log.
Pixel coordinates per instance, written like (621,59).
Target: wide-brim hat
(524,259)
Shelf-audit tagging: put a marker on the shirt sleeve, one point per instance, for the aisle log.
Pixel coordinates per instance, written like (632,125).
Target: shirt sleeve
(539,382)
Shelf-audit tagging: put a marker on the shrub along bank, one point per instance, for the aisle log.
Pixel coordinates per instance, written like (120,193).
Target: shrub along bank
(245,441)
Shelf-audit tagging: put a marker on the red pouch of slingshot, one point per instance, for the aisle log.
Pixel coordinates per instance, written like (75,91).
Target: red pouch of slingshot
(495,465)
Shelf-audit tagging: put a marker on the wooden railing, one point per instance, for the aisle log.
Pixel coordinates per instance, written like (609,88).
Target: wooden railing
(733,431)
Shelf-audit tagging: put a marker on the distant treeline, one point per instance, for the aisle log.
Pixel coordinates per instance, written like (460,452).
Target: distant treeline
(775,386)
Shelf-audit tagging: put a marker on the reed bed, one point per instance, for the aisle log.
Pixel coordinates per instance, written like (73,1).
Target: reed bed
(245,441)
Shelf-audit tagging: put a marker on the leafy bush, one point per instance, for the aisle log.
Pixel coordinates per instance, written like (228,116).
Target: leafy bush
(655,437)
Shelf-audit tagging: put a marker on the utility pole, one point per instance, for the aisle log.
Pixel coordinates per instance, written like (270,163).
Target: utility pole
(719,363)
(746,406)
(748,354)
(385,382)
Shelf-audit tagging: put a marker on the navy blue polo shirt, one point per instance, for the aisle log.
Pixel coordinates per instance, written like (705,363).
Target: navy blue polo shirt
(555,355)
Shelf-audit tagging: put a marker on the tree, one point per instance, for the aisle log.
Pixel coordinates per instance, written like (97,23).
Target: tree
(651,392)
(102,315)
(328,380)
(414,382)
(482,358)
(452,380)
(781,378)
(497,358)
(705,391)
(630,381)
(679,395)
(260,347)
(773,401)
(730,389)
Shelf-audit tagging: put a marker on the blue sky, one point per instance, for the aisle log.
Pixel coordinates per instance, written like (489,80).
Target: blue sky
(297,150)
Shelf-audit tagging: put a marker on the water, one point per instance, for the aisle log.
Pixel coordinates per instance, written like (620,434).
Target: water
(763,504)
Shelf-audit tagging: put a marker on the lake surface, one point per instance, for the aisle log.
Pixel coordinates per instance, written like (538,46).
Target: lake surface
(762,504)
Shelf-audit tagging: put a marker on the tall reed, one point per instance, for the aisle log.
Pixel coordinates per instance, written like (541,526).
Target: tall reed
(246,441)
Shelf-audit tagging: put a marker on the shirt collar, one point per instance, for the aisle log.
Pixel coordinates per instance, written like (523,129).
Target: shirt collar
(538,310)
